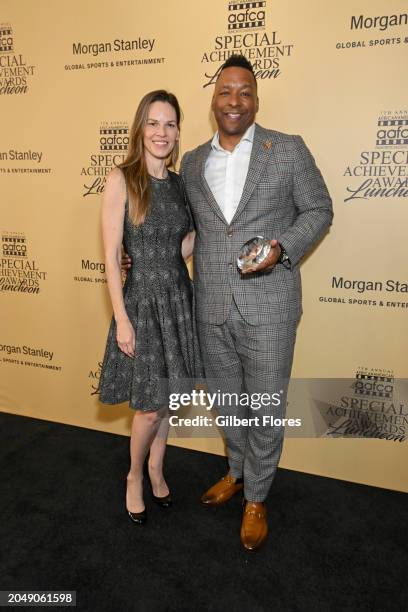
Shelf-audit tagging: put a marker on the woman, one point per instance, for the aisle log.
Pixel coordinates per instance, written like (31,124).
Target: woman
(152,345)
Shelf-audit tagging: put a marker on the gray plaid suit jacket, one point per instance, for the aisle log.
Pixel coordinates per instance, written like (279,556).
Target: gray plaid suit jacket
(284,197)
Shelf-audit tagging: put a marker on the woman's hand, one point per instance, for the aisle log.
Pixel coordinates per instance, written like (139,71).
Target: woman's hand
(187,245)
(125,262)
(126,337)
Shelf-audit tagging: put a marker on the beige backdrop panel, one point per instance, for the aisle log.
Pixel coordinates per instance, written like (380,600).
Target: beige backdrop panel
(331,92)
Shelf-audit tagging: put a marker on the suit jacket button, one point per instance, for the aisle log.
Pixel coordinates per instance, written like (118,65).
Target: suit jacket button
(229,233)
(230,265)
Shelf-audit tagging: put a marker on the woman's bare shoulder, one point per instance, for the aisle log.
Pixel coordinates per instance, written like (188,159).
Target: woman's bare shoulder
(115,185)
(116,177)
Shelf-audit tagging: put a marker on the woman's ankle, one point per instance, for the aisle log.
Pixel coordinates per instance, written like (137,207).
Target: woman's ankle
(134,476)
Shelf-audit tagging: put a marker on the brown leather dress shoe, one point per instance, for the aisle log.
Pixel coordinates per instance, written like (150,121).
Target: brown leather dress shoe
(222,491)
(254,527)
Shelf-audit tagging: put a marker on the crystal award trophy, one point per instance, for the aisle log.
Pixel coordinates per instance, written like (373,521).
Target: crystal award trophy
(253,252)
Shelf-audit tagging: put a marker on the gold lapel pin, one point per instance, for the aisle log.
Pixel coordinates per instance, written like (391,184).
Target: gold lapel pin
(267,144)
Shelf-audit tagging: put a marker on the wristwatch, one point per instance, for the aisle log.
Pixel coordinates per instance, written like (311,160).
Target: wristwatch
(283,257)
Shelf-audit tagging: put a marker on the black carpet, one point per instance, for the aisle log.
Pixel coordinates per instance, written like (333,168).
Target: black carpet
(332,545)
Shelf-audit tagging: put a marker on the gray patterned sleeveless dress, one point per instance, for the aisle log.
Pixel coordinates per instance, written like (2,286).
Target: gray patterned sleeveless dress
(159,300)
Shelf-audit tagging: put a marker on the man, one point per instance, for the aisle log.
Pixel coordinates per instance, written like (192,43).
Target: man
(245,182)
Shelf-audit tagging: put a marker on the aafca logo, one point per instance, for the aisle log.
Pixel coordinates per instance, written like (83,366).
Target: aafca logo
(373,410)
(392,132)
(6,38)
(247,33)
(18,273)
(113,144)
(113,137)
(382,172)
(374,383)
(246,15)
(14,71)
(13,245)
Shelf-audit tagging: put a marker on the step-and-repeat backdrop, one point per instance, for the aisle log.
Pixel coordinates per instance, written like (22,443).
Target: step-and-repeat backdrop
(71,76)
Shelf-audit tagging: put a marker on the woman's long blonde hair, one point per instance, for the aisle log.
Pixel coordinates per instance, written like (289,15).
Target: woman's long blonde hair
(134,166)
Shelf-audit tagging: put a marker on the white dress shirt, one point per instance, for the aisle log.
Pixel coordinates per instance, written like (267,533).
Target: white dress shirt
(226,171)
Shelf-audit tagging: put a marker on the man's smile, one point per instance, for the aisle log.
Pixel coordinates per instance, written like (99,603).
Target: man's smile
(233,116)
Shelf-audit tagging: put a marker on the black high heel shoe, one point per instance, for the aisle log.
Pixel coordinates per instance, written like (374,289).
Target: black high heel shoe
(163,502)
(137,517)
